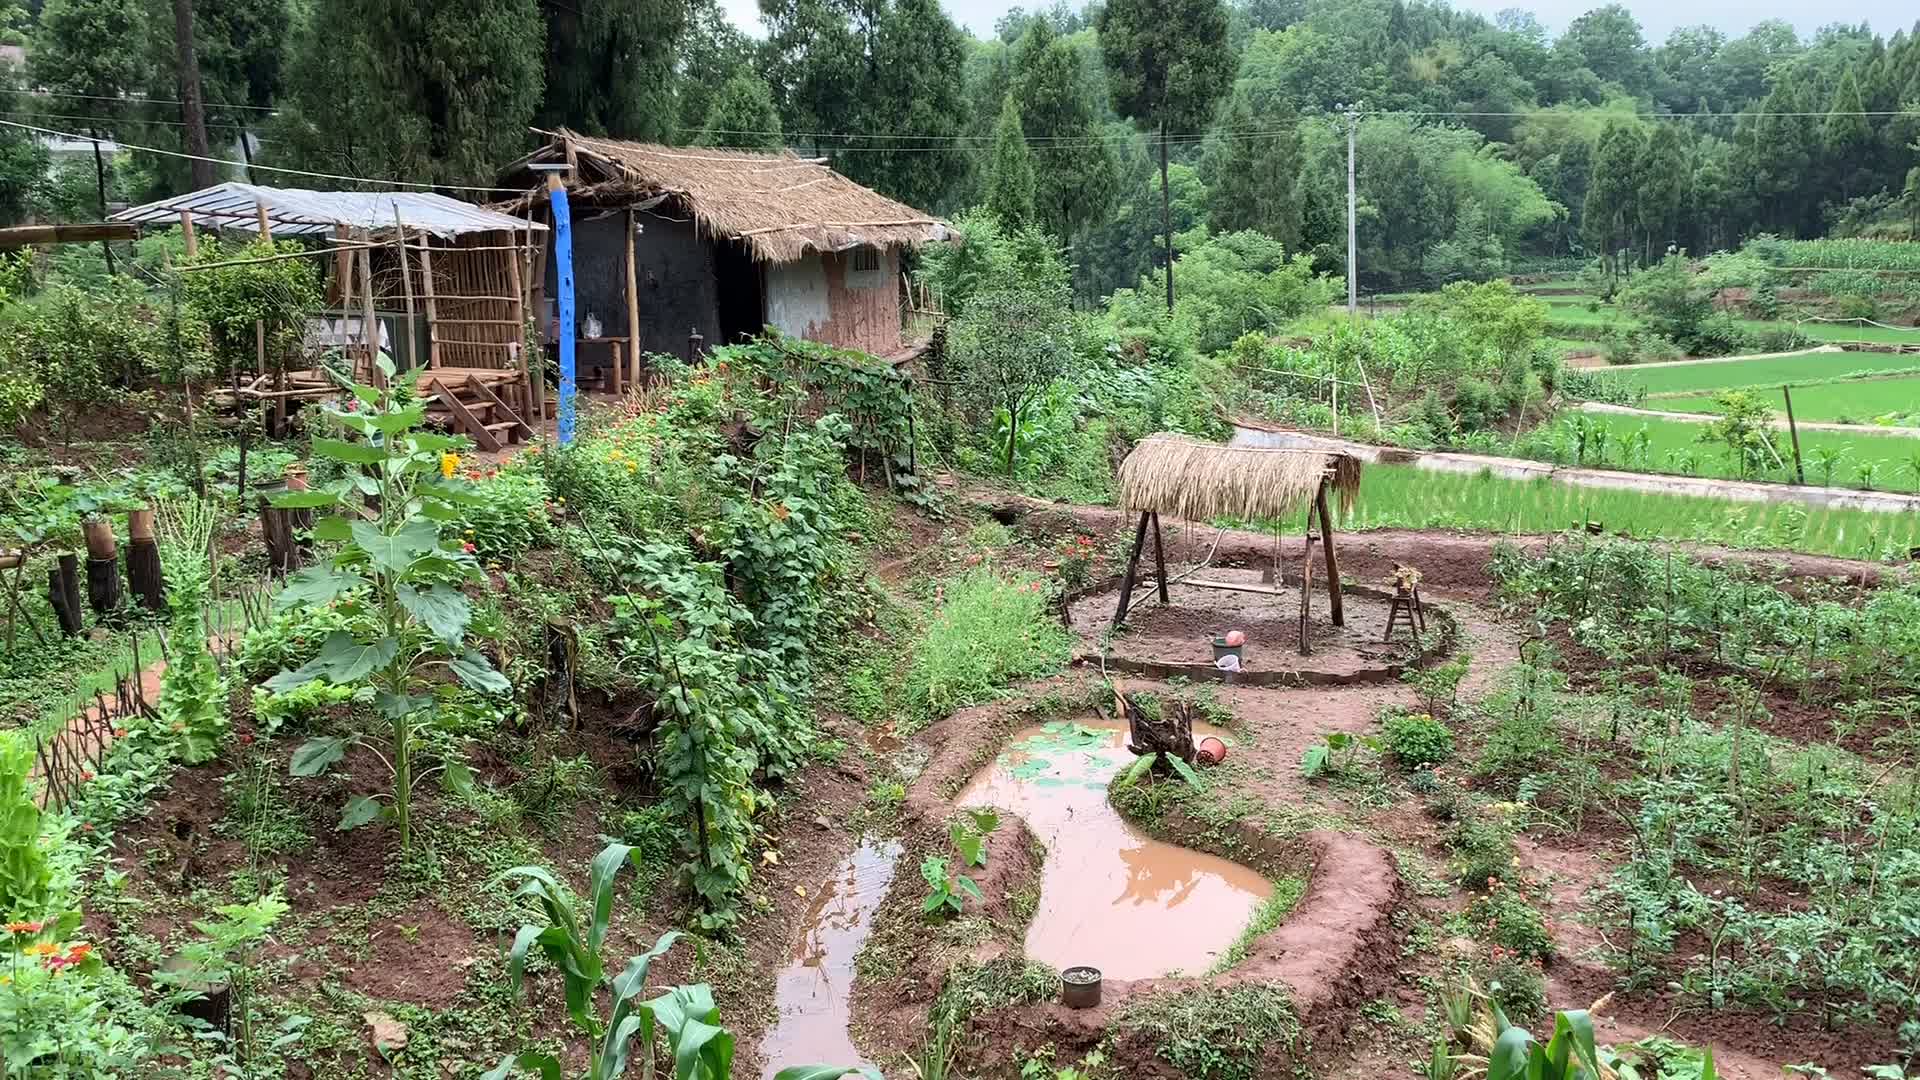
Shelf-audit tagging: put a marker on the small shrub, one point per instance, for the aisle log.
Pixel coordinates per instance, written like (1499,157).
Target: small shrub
(1418,741)
(1504,917)
(510,519)
(1218,1034)
(1423,782)
(1519,989)
(1483,848)
(989,631)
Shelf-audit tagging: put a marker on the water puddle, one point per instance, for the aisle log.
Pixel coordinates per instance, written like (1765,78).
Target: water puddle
(815,990)
(1110,896)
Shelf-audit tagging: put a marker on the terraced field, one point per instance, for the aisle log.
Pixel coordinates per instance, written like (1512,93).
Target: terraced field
(1857,401)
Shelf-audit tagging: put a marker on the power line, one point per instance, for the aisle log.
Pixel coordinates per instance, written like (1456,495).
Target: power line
(141,99)
(266,168)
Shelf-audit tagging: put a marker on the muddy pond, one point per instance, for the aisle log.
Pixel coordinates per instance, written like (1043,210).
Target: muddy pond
(1111,896)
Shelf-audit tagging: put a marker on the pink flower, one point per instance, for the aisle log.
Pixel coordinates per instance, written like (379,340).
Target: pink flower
(468,547)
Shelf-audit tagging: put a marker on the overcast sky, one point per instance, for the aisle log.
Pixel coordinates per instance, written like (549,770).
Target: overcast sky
(1657,18)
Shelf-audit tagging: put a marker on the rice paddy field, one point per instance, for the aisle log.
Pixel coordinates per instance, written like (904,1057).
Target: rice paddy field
(1403,496)
(1855,401)
(1882,462)
(1769,371)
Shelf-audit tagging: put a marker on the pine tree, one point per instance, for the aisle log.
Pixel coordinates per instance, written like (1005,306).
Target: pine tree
(742,115)
(1612,196)
(610,67)
(1167,64)
(1848,140)
(1252,177)
(1074,175)
(1010,181)
(1663,184)
(440,91)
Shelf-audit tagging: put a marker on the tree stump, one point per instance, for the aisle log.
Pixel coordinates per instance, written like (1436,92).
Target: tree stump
(63,592)
(1161,726)
(556,690)
(103,566)
(144,575)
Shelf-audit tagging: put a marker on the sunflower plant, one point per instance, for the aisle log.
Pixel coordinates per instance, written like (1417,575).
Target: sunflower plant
(401,485)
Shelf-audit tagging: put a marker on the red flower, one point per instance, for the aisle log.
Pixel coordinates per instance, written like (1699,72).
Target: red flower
(119,733)
(246,738)
(468,547)
(85,775)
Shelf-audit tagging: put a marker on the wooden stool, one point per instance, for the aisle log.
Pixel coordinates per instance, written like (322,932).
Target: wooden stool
(1406,606)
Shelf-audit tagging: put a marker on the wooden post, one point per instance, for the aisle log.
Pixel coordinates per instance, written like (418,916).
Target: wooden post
(1333,560)
(615,369)
(369,325)
(1133,567)
(187,234)
(633,304)
(518,311)
(433,309)
(1793,429)
(343,263)
(260,214)
(406,281)
(1306,592)
(144,575)
(1160,559)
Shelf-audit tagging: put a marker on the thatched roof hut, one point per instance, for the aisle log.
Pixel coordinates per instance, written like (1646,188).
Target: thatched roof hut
(1202,481)
(727,242)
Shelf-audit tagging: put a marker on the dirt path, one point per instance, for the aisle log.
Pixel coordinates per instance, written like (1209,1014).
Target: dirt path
(1777,423)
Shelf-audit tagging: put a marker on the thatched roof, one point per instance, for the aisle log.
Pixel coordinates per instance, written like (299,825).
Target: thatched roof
(1201,481)
(780,206)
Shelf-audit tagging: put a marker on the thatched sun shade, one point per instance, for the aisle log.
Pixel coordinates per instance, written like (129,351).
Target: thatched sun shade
(1202,481)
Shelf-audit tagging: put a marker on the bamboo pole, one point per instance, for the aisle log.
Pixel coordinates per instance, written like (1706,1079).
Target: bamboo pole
(433,311)
(187,234)
(633,305)
(369,325)
(406,281)
(518,311)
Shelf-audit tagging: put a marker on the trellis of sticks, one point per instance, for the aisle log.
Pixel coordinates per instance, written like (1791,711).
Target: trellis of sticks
(77,751)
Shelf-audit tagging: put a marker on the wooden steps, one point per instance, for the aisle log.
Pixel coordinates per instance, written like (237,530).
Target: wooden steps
(464,402)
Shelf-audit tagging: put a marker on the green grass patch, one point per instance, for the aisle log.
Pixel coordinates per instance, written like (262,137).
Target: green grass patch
(986,631)
(1851,401)
(1836,331)
(1402,496)
(1219,1033)
(1287,891)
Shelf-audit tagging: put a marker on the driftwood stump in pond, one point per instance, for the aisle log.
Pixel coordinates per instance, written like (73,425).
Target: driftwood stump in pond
(1157,725)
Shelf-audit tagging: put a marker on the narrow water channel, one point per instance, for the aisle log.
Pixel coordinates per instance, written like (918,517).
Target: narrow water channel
(815,990)
(1111,896)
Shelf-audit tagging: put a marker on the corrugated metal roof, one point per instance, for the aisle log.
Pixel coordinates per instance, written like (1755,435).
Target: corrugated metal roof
(298,212)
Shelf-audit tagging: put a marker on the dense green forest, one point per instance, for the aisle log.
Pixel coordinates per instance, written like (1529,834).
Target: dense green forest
(1484,146)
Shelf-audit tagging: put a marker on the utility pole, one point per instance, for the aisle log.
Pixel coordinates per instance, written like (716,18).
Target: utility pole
(1353,282)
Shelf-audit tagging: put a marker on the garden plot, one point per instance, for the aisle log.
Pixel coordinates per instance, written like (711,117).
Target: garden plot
(1177,638)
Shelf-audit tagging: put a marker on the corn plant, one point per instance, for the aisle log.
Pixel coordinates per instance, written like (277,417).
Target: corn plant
(393,567)
(682,1018)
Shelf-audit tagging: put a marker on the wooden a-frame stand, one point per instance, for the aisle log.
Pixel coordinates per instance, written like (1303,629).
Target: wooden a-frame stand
(1130,579)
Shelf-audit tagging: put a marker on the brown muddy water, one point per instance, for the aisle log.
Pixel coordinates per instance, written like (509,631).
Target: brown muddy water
(1110,896)
(815,990)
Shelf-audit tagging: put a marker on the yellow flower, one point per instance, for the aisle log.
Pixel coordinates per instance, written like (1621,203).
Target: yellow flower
(43,948)
(449,464)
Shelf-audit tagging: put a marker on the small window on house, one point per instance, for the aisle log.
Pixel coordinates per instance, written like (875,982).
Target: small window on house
(866,260)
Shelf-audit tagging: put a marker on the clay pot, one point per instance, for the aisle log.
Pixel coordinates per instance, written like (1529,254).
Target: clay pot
(1211,750)
(1080,987)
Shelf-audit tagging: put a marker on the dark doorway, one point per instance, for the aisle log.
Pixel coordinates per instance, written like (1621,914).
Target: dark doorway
(742,303)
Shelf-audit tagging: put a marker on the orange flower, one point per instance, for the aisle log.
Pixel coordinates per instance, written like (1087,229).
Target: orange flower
(79,952)
(119,733)
(25,927)
(41,948)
